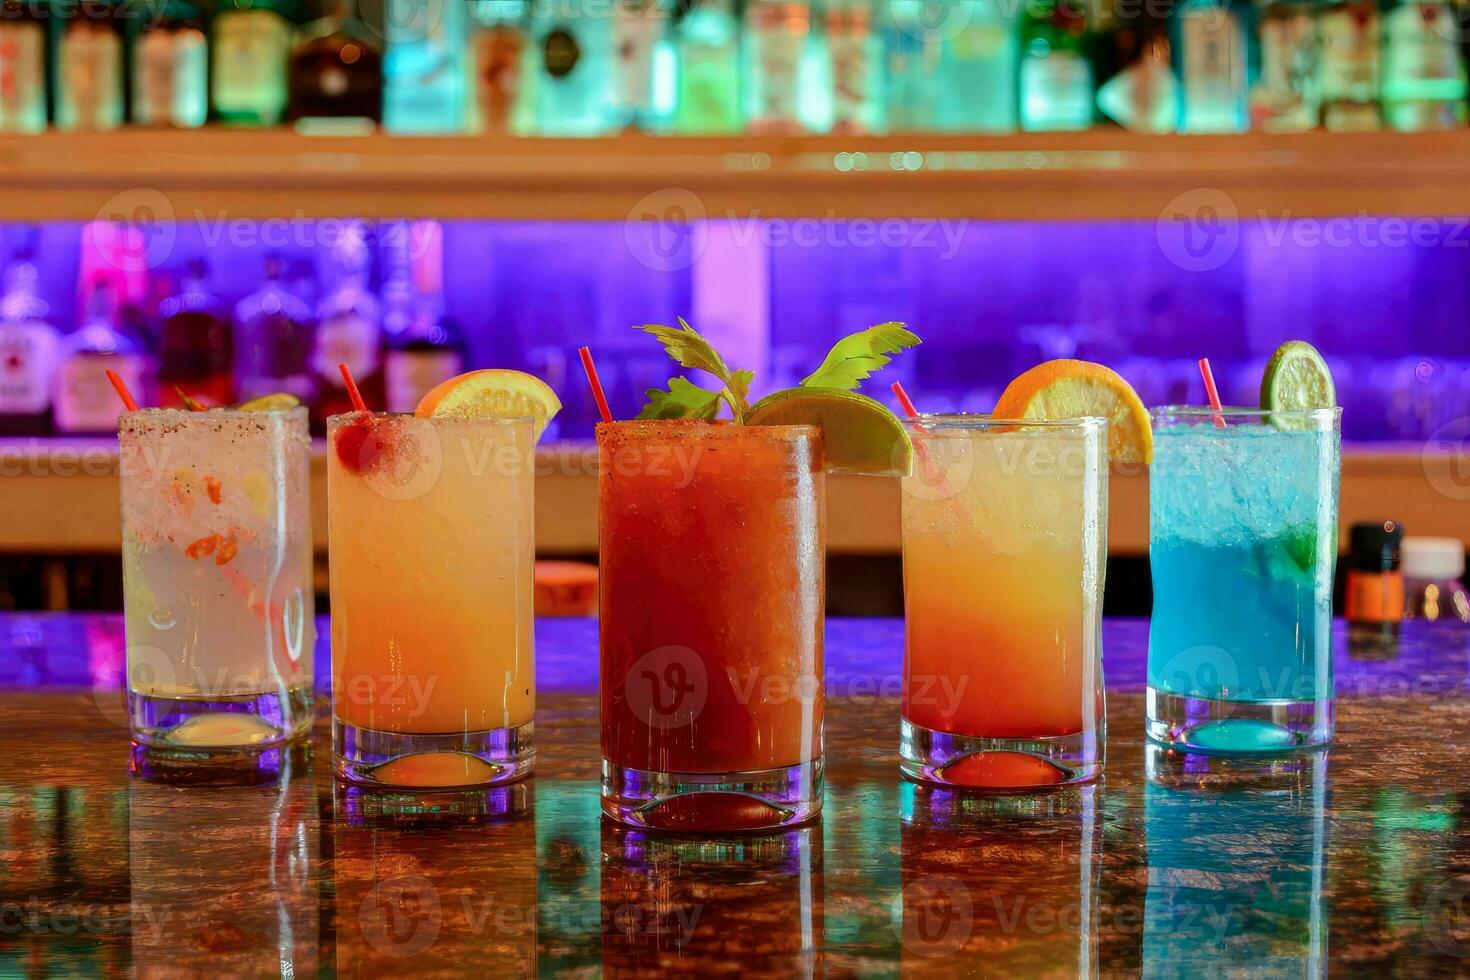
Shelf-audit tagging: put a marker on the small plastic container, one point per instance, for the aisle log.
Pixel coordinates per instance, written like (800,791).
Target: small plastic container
(1432,570)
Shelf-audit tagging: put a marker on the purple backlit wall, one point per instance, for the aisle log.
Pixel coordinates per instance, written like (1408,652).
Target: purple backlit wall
(1387,300)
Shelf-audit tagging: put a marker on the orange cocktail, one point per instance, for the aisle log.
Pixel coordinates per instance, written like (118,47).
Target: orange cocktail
(432,558)
(712,554)
(1003,543)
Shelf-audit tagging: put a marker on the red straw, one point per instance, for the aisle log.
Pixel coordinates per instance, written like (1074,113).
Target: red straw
(121,388)
(932,474)
(1211,391)
(352,391)
(904,399)
(591,369)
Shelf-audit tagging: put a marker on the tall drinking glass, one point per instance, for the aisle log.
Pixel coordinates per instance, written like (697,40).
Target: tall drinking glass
(217,596)
(712,545)
(1004,541)
(431,528)
(1243,544)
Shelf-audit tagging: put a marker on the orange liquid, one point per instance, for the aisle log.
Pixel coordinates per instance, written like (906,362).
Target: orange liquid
(1003,586)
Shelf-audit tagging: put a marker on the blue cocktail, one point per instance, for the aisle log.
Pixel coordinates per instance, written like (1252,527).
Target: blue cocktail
(1243,547)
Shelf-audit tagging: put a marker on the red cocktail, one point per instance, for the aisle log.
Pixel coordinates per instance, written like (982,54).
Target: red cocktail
(712,543)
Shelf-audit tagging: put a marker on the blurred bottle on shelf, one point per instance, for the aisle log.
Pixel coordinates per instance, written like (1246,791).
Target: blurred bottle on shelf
(336,74)
(170,63)
(1056,83)
(911,46)
(855,53)
(424,347)
(1212,41)
(425,71)
(643,66)
(1423,68)
(89,65)
(776,37)
(84,401)
(979,57)
(1433,569)
(1137,88)
(1285,97)
(251,42)
(196,338)
(574,53)
(707,50)
(499,101)
(274,338)
(1347,67)
(29,347)
(23,33)
(349,329)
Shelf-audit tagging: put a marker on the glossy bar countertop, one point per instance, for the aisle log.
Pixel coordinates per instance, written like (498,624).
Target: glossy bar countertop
(1352,860)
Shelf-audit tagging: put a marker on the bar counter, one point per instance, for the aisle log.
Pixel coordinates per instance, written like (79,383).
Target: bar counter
(1352,860)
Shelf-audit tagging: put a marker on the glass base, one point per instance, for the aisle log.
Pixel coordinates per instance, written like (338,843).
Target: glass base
(712,802)
(1211,726)
(410,760)
(230,726)
(998,765)
(220,768)
(361,806)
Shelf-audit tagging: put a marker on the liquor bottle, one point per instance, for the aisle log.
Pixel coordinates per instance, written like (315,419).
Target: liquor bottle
(23,32)
(425,67)
(196,343)
(424,347)
(252,51)
(1212,50)
(776,36)
(349,330)
(1347,67)
(171,68)
(336,75)
(84,400)
(499,101)
(1285,97)
(1138,88)
(1055,74)
(912,46)
(1423,70)
(573,88)
(29,347)
(642,66)
(89,66)
(707,45)
(978,64)
(854,48)
(274,338)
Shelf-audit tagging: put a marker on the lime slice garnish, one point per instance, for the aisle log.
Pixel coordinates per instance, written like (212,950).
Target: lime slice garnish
(859,435)
(1297,379)
(271,403)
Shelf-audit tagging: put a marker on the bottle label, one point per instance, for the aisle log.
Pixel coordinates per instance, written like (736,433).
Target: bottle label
(1349,62)
(852,72)
(251,49)
(636,33)
(1419,48)
(85,401)
(91,76)
(1285,95)
(562,53)
(498,54)
(28,352)
(349,339)
(1056,91)
(22,76)
(408,375)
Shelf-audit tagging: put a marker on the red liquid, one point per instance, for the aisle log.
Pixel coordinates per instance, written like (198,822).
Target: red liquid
(712,546)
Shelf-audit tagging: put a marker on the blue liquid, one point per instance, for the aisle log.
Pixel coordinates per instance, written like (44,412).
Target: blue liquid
(1244,542)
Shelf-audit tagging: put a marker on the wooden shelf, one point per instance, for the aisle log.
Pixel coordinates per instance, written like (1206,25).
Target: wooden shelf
(210,174)
(61,497)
